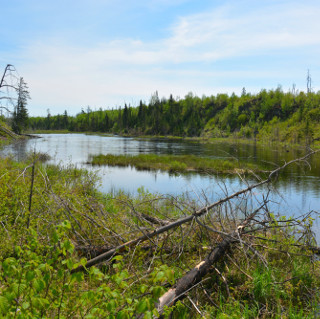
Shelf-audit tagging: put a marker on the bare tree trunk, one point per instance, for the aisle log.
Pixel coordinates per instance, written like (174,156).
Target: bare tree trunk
(195,275)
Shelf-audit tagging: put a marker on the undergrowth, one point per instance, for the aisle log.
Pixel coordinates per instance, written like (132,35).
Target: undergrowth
(67,221)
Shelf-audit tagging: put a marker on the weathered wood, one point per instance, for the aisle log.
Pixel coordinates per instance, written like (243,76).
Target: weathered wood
(195,275)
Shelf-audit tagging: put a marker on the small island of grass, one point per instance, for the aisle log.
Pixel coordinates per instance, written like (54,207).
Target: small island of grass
(175,163)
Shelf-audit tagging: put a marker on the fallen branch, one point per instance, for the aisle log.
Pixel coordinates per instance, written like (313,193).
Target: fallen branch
(198,213)
(8,132)
(195,275)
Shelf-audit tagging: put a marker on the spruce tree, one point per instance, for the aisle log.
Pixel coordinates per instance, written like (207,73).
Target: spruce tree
(20,114)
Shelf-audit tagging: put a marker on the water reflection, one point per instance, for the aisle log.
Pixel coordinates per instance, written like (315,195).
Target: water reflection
(299,186)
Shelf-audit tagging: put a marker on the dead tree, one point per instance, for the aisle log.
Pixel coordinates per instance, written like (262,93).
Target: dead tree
(9,82)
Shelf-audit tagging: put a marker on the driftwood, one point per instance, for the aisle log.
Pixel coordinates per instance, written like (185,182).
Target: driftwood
(204,210)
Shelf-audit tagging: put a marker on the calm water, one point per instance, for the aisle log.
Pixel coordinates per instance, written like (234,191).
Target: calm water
(298,190)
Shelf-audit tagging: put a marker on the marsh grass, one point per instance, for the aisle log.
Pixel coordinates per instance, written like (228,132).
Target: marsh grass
(175,163)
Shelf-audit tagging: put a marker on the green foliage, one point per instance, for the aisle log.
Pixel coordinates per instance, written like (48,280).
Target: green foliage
(37,282)
(20,114)
(246,116)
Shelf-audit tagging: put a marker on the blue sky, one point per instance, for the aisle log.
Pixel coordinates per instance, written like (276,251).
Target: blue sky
(104,53)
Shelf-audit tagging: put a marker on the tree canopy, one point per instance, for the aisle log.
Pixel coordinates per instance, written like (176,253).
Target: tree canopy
(268,113)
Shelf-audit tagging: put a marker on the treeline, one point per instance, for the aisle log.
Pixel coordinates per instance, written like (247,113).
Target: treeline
(280,115)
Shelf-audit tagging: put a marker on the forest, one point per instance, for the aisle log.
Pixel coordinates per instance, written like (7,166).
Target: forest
(273,115)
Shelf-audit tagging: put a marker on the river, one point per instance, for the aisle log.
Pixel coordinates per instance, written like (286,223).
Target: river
(296,192)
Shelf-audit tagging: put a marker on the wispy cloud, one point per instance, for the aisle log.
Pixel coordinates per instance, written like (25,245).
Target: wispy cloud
(223,34)
(69,74)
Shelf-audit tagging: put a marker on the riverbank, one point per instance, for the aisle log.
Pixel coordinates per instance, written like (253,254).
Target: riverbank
(54,220)
(7,136)
(177,163)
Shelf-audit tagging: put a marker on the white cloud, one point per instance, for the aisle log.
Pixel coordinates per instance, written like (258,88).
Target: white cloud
(62,74)
(221,34)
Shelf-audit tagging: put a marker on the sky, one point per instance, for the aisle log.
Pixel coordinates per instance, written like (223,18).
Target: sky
(104,53)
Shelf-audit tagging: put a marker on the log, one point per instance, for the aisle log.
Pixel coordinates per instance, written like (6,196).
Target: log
(195,275)
(8,132)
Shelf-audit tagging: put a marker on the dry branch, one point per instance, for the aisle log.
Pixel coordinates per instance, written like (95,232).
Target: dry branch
(195,275)
(189,218)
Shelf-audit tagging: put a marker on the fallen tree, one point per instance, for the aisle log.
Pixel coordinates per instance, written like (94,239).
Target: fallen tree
(204,210)
(195,275)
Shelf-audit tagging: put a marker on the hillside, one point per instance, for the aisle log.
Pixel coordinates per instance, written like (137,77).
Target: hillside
(269,115)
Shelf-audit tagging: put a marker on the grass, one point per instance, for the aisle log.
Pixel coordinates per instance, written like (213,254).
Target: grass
(48,132)
(175,163)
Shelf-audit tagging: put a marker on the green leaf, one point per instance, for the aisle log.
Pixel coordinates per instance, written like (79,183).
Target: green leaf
(18,250)
(55,237)
(78,276)
(30,275)
(123,314)
(169,273)
(39,285)
(148,315)
(119,257)
(18,288)
(142,306)
(160,276)
(66,224)
(129,301)
(157,291)
(25,305)
(4,304)
(111,305)
(143,288)
(69,263)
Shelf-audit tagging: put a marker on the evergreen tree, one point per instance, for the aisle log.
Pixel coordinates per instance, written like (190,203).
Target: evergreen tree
(65,120)
(20,114)
(125,117)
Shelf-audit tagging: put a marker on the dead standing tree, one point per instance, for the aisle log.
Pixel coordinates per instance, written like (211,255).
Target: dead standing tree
(9,83)
(8,89)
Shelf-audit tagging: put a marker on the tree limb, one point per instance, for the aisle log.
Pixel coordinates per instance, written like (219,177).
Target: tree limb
(189,218)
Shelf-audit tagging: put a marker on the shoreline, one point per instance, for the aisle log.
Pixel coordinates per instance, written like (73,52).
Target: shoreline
(203,140)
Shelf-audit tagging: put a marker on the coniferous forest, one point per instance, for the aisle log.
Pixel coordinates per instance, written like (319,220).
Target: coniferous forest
(277,115)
